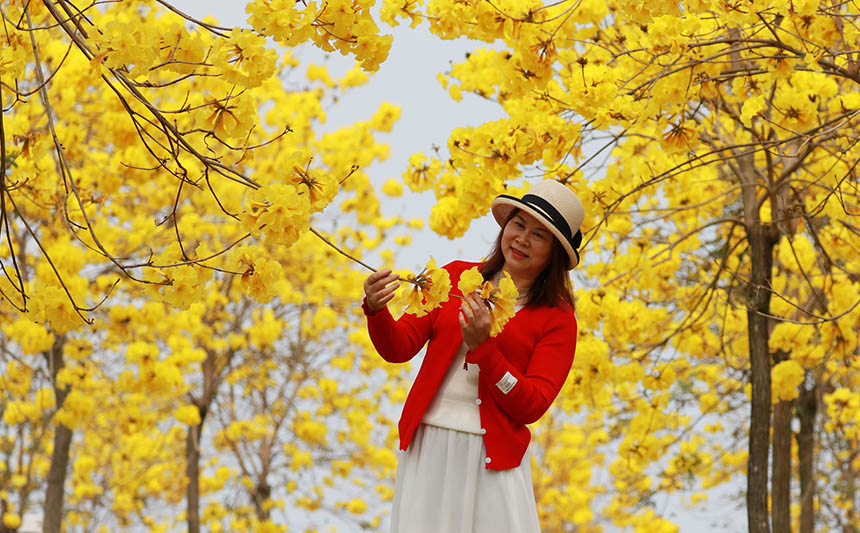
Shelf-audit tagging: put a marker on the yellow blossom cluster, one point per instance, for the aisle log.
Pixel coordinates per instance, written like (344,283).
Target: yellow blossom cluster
(278,212)
(347,27)
(244,59)
(425,291)
(786,377)
(502,299)
(258,275)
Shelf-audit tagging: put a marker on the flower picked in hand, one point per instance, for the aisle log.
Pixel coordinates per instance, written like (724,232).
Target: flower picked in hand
(429,289)
(501,299)
(470,280)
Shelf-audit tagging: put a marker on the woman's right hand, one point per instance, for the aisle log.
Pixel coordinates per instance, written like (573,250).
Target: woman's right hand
(377,291)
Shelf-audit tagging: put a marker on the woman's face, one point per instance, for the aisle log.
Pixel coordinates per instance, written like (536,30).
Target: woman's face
(526,246)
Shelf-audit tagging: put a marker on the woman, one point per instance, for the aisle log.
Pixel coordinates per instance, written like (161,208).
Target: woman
(463,426)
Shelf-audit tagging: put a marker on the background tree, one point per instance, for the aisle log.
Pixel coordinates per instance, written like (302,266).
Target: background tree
(129,135)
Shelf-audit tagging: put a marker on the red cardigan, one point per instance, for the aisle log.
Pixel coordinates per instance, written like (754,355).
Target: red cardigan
(536,347)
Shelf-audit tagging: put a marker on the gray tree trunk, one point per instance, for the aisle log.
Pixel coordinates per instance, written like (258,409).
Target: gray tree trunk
(52,520)
(780,481)
(192,472)
(761,258)
(780,510)
(260,494)
(807,407)
(192,444)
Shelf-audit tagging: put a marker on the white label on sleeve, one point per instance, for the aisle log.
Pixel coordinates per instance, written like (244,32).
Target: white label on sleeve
(506,383)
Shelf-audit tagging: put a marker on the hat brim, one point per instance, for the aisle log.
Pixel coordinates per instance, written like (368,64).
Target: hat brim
(502,207)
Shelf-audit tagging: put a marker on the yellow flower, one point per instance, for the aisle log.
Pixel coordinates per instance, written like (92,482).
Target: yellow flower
(429,289)
(392,188)
(17,378)
(309,430)
(470,280)
(279,212)
(187,414)
(356,506)
(321,187)
(228,117)
(50,303)
(501,299)
(320,73)
(259,275)
(680,137)
(422,172)
(11,520)
(786,377)
(33,338)
(244,59)
(77,408)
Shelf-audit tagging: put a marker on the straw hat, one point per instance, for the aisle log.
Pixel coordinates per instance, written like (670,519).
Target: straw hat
(553,204)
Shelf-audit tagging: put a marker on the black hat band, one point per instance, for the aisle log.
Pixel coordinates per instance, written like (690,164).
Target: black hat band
(553,216)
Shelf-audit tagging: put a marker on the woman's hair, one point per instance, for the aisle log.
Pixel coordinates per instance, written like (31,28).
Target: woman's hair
(551,287)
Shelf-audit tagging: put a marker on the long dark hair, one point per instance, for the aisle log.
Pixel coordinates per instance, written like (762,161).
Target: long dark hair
(551,287)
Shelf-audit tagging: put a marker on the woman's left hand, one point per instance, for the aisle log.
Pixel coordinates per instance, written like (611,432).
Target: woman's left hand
(474,320)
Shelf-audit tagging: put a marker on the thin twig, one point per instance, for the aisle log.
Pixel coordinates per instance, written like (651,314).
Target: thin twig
(353,259)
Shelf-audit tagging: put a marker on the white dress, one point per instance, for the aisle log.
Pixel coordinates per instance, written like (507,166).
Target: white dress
(442,484)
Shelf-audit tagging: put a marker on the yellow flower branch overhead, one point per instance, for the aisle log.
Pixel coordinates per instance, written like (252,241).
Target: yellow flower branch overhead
(183,99)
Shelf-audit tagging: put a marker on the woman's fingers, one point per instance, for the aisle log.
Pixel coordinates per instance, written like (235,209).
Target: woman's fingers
(376,276)
(380,279)
(387,298)
(388,292)
(467,307)
(474,320)
(466,311)
(477,305)
(377,288)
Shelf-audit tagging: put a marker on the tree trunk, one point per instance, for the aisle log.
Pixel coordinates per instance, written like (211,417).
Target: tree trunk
(848,482)
(807,407)
(780,510)
(192,471)
(52,520)
(192,444)
(261,493)
(780,481)
(761,258)
(3,509)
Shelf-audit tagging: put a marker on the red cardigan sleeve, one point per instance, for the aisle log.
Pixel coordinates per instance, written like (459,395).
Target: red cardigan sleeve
(397,341)
(545,374)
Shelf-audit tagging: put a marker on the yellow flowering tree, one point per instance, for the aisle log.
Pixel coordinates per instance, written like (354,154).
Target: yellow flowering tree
(185,97)
(165,165)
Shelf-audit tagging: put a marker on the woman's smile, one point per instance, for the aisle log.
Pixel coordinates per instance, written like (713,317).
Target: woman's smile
(518,254)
